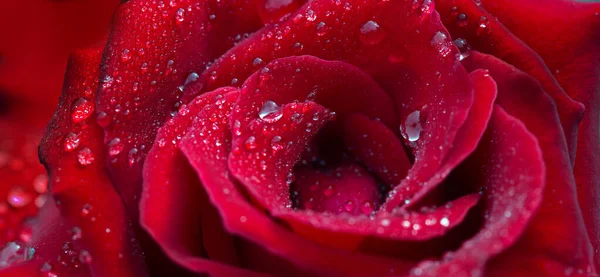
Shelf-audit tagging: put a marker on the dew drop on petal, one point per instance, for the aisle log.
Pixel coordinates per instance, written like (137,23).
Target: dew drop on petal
(85,156)
(115,147)
(441,44)
(462,20)
(85,257)
(15,252)
(371,33)
(71,142)
(445,222)
(180,15)
(412,126)
(250,143)
(276,144)
(81,109)
(270,112)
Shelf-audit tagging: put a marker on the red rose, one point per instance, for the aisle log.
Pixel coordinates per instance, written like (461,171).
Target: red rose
(329,138)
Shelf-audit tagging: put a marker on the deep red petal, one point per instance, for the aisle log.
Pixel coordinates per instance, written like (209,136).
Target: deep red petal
(50,232)
(513,183)
(486,34)
(153,48)
(377,147)
(574,59)
(208,155)
(559,215)
(466,140)
(77,177)
(193,238)
(429,80)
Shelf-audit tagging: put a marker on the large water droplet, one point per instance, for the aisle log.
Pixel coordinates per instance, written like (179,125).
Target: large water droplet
(71,142)
(14,252)
(81,109)
(103,119)
(441,44)
(85,156)
(371,33)
(322,28)
(125,55)
(462,20)
(412,126)
(190,78)
(179,15)
(311,15)
(270,111)
(115,147)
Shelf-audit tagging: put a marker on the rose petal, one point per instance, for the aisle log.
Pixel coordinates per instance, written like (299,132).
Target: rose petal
(574,60)
(513,183)
(193,238)
(465,142)
(429,80)
(486,34)
(209,155)
(377,147)
(77,177)
(559,215)
(50,232)
(153,48)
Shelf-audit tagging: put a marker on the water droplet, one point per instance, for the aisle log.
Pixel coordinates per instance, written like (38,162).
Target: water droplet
(125,55)
(115,147)
(85,156)
(276,144)
(371,33)
(18,198)
(444,222)
(441,44)
(257,61)
(81,109)
(311,15)
(462,20)
(133,156)
(15,252)
(85,257)
(322,28)
(86,210)
(250,143)
(385,222)
(71,142)
(190,78)
(270,112)
(412,126)
(46,271)
(367,208)
(179,15)
(463,46)
(102,119)
(482,26)
(349,206)
(76,233)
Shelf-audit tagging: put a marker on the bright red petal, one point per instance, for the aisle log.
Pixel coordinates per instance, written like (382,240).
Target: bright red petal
(153,48)
(72,151)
